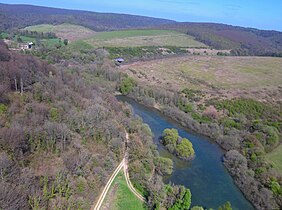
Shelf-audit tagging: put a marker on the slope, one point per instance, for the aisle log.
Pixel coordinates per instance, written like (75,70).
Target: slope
(243,41)
(20,16)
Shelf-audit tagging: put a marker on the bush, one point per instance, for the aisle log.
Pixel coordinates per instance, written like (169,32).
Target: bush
(3,108)
(170,136)
(54,114)
(250,108)
(127,85)
(275,187)
(226,206)
(185,149)
(183,202)
(272,136)
(164,166)
(230,123)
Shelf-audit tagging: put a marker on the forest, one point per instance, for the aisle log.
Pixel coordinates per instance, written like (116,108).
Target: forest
(58,123)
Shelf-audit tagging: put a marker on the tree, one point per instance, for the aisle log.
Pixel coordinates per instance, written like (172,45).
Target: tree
(4,52)
(127,85)
(185,149)
(66,42)
(19,39)
(170,136)
(186,203)
(184,200)
(164,166)
(226,206)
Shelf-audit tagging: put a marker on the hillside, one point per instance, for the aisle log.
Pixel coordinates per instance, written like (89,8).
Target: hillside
(139,38)
(64,31)
(20,16)
(232,76)
(47,158)
(243,41)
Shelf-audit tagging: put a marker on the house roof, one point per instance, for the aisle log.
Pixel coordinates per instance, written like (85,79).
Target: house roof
(119,59)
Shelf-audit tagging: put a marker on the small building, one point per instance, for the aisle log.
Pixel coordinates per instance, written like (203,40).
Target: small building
(119,60)
(30,44)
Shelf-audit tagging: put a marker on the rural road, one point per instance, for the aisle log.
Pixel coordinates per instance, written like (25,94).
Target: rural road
(123,164)
(107,187)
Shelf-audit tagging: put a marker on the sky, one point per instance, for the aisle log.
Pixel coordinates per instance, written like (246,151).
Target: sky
(262,14)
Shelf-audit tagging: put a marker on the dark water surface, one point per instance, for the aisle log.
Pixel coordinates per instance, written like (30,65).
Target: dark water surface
(205,176)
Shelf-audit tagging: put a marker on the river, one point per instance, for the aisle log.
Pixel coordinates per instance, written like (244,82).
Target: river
(206,177)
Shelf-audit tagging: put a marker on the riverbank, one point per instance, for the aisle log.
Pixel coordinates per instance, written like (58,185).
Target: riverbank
(252,189)
(205,175)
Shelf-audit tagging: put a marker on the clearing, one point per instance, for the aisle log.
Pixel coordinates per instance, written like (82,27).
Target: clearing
(139,38)
(120,196)
(275,158)
(64,31)
(233,76)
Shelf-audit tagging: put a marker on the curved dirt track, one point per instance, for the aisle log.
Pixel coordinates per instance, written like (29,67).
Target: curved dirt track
(123,165)
(107,187)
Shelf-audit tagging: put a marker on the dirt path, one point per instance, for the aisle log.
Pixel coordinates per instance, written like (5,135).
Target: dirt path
(123,165)
(107,187)
(137,194)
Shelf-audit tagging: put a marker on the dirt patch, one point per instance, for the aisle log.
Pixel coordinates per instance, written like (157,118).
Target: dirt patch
(45,164)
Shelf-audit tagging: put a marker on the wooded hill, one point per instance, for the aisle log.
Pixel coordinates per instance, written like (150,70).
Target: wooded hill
(20,16)
(242,41)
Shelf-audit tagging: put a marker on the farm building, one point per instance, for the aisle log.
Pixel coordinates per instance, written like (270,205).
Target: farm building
(119,60)
(30,44)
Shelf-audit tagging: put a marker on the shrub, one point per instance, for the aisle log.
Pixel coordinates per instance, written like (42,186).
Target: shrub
(275,187)
(200,118)
(127,85)
(175,144)
(54,114)
(3,108)
(226,206)
(185,149)
(164,166)
(211,112)
(230,123)
(170,136)
(183,202)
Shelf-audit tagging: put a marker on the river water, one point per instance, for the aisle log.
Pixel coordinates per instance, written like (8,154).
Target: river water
(206,177)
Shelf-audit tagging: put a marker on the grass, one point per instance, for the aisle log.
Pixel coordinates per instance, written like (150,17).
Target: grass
(120,197)
(204,72)
(80,45)
(275,158)
(138,38)
(64,31)
(4,35)
(46,42)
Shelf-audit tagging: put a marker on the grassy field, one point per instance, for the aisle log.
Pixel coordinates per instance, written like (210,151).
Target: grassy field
(120,197)
(275,157)
(137,38)
(64,31)
(255,77)
(47,42)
